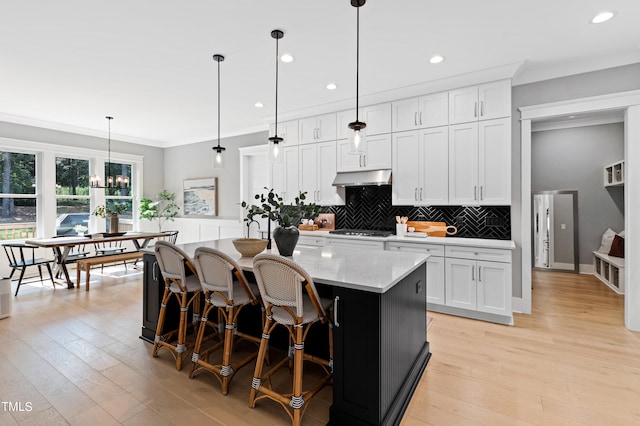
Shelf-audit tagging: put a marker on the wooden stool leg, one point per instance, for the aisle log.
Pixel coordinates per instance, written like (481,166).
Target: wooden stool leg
(227,348)
(182,331)
(257,374)
(77,275)
(163,308)
(298,358)
(87,273)
(200,337)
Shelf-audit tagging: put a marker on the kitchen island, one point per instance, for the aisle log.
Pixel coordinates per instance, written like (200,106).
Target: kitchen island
(380,345)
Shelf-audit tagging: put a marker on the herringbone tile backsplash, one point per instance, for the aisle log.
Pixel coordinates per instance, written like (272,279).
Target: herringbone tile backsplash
(369,207)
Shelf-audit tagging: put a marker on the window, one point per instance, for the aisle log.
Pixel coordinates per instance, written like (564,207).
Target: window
(18,211)
(120,195)
(73,202)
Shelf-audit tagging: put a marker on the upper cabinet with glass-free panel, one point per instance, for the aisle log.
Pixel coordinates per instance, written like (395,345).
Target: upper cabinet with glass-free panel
(287,130)
(420,112)
(320,128)
(484,102)
(377,117)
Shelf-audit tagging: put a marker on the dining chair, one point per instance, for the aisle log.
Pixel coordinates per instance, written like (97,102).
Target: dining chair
(22,256)
(171,236)
(226,289)
(173,264)
(291,300)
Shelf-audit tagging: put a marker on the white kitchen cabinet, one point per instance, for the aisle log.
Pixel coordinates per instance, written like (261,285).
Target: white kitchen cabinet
(377,155)
(484,102)
(355,243)
(284,174)
(287,130)
(311,241)
(435,278)
(317,171)
(420,112)
(320,128)
(478,279)
(420,167)
(377,118)
(480,163)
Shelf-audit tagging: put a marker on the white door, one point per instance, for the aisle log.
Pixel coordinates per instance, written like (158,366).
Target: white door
(405,114)
(463,164)
(347,162)
(434,172)
(290,160)
(406,168)
(378,154)
(463,105)
(327,194)
(495,100)
(307,130)
(326,125)
(460,287)
(378,119)
(494,288)
(434,110)
(494,156)
(307,175)
(435,280)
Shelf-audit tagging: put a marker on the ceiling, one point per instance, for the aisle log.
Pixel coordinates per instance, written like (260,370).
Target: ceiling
(67,64)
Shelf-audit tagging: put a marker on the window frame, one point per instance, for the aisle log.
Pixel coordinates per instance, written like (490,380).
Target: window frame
(45,194)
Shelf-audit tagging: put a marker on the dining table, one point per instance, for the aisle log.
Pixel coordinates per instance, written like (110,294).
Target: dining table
(62,247)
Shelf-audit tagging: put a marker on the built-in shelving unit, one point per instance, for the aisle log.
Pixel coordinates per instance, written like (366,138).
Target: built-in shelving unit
(614,174)
(610,270)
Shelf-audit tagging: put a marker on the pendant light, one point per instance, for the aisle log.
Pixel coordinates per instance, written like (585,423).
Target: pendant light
(357,139)
(275,141)
(218,161)
(110,182)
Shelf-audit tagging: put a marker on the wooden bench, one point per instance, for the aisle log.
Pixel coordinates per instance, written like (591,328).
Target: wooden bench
(86,263)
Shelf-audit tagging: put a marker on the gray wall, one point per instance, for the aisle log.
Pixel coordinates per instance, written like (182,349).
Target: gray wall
(573,159)
(196,161)
(153,157)
(595,83)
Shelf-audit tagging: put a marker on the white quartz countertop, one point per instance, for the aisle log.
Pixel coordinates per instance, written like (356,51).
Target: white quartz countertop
(364,269)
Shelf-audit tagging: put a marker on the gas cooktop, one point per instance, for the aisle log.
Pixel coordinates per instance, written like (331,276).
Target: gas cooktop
(361,232)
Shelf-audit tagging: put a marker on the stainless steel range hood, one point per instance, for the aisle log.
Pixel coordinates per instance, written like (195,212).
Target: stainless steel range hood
(363,178)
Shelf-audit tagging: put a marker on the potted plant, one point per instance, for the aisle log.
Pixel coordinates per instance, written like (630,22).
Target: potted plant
(110,212)
(287,217)
(164,208)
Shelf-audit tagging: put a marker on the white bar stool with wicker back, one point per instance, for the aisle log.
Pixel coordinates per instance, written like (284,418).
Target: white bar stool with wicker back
(291,300)
(186,289)
(226,288)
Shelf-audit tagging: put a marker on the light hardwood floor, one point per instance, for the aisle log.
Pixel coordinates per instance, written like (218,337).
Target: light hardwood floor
(75,358)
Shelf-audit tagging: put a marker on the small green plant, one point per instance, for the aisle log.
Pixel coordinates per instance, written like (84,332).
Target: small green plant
(113,209)
(272,207)
(163,209)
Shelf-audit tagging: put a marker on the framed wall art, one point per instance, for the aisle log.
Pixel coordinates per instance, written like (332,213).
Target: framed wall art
(200,197)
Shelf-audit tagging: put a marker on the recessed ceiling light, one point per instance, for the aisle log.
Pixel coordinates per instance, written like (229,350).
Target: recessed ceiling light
(602,17)
(258,105)
(436,59)
(332,86)
(286,58)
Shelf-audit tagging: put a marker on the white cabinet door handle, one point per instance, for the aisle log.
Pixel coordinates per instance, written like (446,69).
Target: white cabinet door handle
(364,160)
(420,193)
(473,273)
(481,198)
(475,192)
(475,109)
(415,118)
(335,311)
(420,117)
(481,108)
(479,273)
(415,194)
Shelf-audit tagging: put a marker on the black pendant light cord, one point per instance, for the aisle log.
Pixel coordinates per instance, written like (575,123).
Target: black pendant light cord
(218,104)
(277,68)
(357,60)
(109,147)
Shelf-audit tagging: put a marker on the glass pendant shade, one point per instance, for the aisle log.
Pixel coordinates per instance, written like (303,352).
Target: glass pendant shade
(358,138)
(275,149)
(218,157)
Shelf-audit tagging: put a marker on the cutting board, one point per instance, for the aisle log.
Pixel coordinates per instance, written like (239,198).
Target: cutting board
(433,229)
